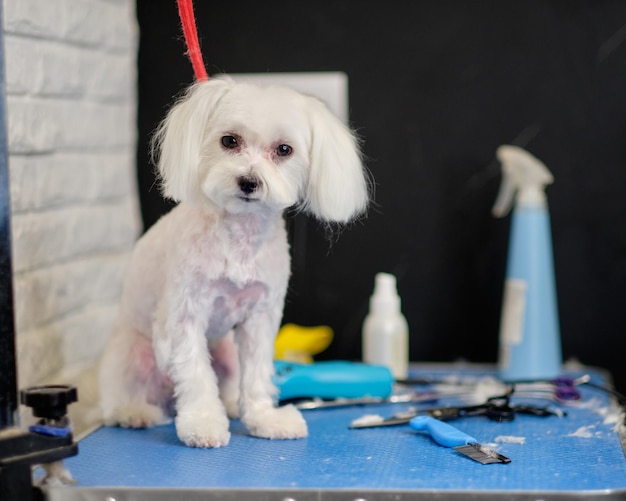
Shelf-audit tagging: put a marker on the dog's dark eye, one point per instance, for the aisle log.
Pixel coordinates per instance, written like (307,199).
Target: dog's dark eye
(284,150)
(229,142)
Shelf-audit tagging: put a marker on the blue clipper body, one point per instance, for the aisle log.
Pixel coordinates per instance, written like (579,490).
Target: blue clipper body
(530,339)
(331,380)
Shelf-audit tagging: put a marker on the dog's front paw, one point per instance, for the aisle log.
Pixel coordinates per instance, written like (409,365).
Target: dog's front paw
(202,429)
(282,423)
(136,415)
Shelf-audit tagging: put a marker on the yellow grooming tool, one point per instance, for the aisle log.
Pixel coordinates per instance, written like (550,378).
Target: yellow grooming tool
(295,343)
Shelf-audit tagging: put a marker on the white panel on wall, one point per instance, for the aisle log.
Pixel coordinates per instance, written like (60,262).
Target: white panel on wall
(330,86)
(71,84)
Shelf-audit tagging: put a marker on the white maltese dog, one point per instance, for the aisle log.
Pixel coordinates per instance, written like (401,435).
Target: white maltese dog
(203,297)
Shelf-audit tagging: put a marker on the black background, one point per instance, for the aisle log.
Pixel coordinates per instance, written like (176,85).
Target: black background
(435,87)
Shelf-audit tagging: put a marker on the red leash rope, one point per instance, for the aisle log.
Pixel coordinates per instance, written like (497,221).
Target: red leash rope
(185,11)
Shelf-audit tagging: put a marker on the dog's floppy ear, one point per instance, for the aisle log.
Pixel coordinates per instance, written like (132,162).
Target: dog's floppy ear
(177,142)
(338,187)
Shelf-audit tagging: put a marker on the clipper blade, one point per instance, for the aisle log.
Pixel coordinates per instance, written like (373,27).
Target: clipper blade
(482,454)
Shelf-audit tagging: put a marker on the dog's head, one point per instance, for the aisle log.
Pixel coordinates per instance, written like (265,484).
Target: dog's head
(249,148)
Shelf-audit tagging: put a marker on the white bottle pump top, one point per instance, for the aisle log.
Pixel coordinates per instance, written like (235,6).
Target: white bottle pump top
(385,298)
(523,174)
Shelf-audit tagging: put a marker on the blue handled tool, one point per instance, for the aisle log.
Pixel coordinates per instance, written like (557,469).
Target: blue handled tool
(332,379)
(449,436)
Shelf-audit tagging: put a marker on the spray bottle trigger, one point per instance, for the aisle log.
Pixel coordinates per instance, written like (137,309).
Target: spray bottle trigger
(506,194)
(523,176)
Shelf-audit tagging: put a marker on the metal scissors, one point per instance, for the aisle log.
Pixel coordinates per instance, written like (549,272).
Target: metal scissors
(561,389)
(398,398)
(496,408)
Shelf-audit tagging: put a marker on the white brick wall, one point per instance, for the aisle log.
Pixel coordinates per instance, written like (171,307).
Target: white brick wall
(70,75)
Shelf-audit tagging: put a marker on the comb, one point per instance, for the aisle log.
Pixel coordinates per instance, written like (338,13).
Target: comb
(449,436)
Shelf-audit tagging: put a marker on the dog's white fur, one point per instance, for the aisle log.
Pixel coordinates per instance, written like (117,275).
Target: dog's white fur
(215,269)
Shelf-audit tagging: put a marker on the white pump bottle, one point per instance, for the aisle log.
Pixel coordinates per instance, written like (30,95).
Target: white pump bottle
(385,330)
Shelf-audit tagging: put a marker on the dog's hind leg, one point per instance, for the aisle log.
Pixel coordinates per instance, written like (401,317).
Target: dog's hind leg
(133,391)
(226,365)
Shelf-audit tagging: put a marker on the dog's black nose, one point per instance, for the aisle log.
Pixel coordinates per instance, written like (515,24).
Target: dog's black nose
(248,184)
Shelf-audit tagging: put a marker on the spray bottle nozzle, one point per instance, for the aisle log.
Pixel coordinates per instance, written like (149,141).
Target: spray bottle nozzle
(523,174)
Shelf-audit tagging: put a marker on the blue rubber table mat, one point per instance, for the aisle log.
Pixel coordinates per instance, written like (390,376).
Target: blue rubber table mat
(578,455)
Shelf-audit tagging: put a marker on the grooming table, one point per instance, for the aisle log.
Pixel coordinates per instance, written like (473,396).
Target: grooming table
(578,456)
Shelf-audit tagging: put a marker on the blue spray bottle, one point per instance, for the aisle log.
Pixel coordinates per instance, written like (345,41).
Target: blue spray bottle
(530,340)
